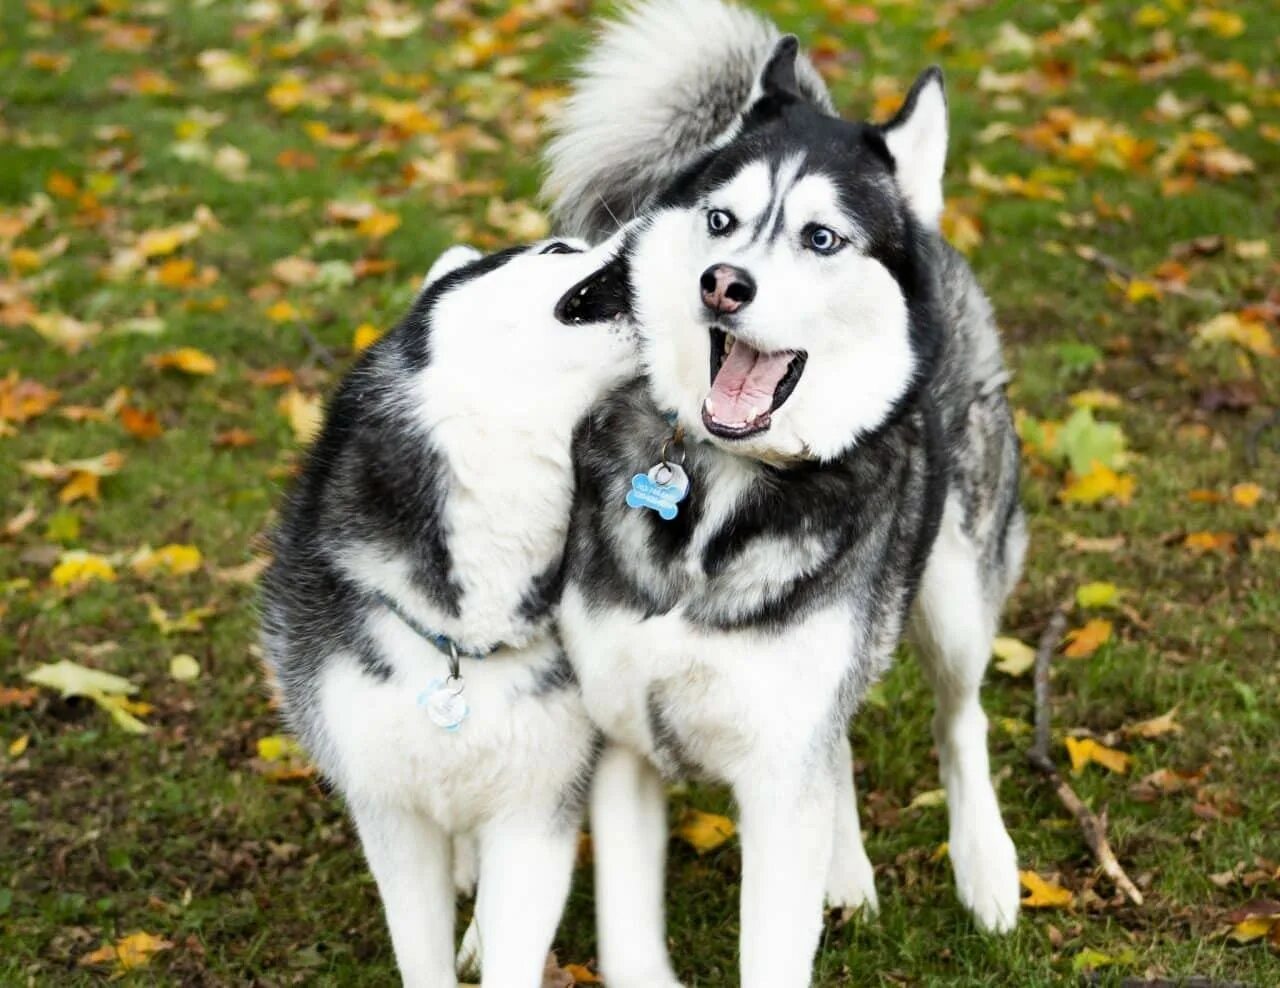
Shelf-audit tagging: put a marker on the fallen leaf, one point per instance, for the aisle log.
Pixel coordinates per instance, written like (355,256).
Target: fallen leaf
(72,679)
(184,668)
(1155,727)
(187,622)
(18,746)
(1043,894)
(187,359)
(234,439)
(927,799)
(22,400)
(276,747)
(365,336)
(11,696)
(1210,541)
(129,953)
(1246,495)
(140,424)
(582,975)
(83,486)
(225,70)
(704,831)
(1096,594)
(1086,750)
(1084,642)
(1240,329)
(77,567)
(304,412)
(378,224)
(1016,657)
(173,559)
(1098,484)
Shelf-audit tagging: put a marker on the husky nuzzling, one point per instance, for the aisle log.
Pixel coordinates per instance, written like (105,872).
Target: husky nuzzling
(408,613)
(827,373)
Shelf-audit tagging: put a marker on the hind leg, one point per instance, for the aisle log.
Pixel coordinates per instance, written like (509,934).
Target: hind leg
(851,882)
(409,857)
(954,624)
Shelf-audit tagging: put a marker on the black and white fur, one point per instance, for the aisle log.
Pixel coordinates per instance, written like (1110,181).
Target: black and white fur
(443,481)
(736,641)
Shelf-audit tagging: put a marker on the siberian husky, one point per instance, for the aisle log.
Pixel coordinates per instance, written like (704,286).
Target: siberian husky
(408,611)
(823,386)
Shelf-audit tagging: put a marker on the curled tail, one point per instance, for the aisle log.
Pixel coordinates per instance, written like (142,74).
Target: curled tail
(659,87)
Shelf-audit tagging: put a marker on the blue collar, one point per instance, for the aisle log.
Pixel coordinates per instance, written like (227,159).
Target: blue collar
(443,643)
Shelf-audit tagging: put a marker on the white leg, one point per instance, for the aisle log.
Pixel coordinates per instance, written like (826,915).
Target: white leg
(851,882)
(409,857)
(786,828)
(526,864)
(629,837)
(954,626)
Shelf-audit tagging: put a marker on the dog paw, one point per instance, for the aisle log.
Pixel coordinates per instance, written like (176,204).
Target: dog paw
(986,871)
(851,886)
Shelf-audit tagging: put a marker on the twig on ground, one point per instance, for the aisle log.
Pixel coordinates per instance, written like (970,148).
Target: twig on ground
(318,350)
(1110,265)
(1092,825)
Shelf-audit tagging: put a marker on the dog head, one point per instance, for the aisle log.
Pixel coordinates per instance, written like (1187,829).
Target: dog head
(538,328)
(782,287)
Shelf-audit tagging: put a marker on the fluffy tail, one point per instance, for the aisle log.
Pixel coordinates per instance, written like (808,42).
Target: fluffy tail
(661,84)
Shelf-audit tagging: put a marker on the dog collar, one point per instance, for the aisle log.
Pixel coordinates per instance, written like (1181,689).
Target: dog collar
(442,698)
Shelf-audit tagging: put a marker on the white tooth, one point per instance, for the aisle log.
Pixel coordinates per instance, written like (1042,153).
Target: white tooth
(710,406)
(755,414)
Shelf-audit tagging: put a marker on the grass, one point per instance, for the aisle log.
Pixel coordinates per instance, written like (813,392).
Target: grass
(253,881)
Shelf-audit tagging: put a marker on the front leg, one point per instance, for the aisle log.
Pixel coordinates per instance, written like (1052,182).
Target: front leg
(409,855)
(787,820)
(851,881)
(526,863)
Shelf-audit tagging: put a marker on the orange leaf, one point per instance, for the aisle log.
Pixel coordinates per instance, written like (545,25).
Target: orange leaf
(234,439)
(140,424)
(1210,541)
(82,485)
(187,359)
(1086,750)
(1083,642)
(1043,894)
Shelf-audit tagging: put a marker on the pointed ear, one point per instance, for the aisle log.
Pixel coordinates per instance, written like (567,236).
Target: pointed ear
(917,139)
(778,77)
(448,262)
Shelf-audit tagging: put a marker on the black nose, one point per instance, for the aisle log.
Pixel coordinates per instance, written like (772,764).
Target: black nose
(726,288)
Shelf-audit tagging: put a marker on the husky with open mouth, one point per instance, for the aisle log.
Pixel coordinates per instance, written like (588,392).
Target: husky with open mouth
(408,613)
(825,373)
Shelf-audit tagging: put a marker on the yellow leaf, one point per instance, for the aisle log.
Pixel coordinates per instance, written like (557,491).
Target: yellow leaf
(304,412)
(1139,290)
(73,679)
(1252,250)
(1246,495)
(704,831)
(1016,658)
(18,746)
(1086,750)
(1149,15)
(188,621)
(283,311)
(277,747)
(83,485)
(287,94)
(1096,594)
(1095,398)
(78,567)
(960,226)
(225,70)
(63,330)
(135,950)
(1083,642)
(1099,483)
(184,668)
(1231,327)
(1223,23)
(1253,928)
(366,335)
(1155,727)
(1043,894)
(378,224)
(24,260)
(176,560)
(121,712)
(187,359)
(516,220)
(1210,541)
(927,799)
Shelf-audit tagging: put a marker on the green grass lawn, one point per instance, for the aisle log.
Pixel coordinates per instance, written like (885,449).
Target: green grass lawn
(157,159)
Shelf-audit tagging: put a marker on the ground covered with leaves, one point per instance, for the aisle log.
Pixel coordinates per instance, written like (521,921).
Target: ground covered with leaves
(206,209)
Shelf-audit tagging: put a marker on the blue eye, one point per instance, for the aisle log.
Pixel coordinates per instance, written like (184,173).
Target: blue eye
(823,240)
(720,222)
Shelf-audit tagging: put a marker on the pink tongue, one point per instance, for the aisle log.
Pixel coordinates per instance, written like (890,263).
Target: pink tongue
(746,381)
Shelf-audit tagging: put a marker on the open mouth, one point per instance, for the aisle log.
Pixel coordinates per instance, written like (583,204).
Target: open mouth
(603,296)
(747,386)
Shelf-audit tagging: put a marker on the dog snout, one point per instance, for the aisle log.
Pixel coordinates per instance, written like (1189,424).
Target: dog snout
(726,289)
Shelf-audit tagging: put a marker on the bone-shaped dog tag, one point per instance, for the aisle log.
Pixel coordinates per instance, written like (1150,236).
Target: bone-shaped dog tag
(659,490)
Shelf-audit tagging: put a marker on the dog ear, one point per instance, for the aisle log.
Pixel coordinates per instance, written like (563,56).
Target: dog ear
(778,77)
(917,139)
(455,257)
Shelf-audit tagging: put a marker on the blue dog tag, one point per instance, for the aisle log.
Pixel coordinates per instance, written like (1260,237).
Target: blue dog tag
(660,490)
